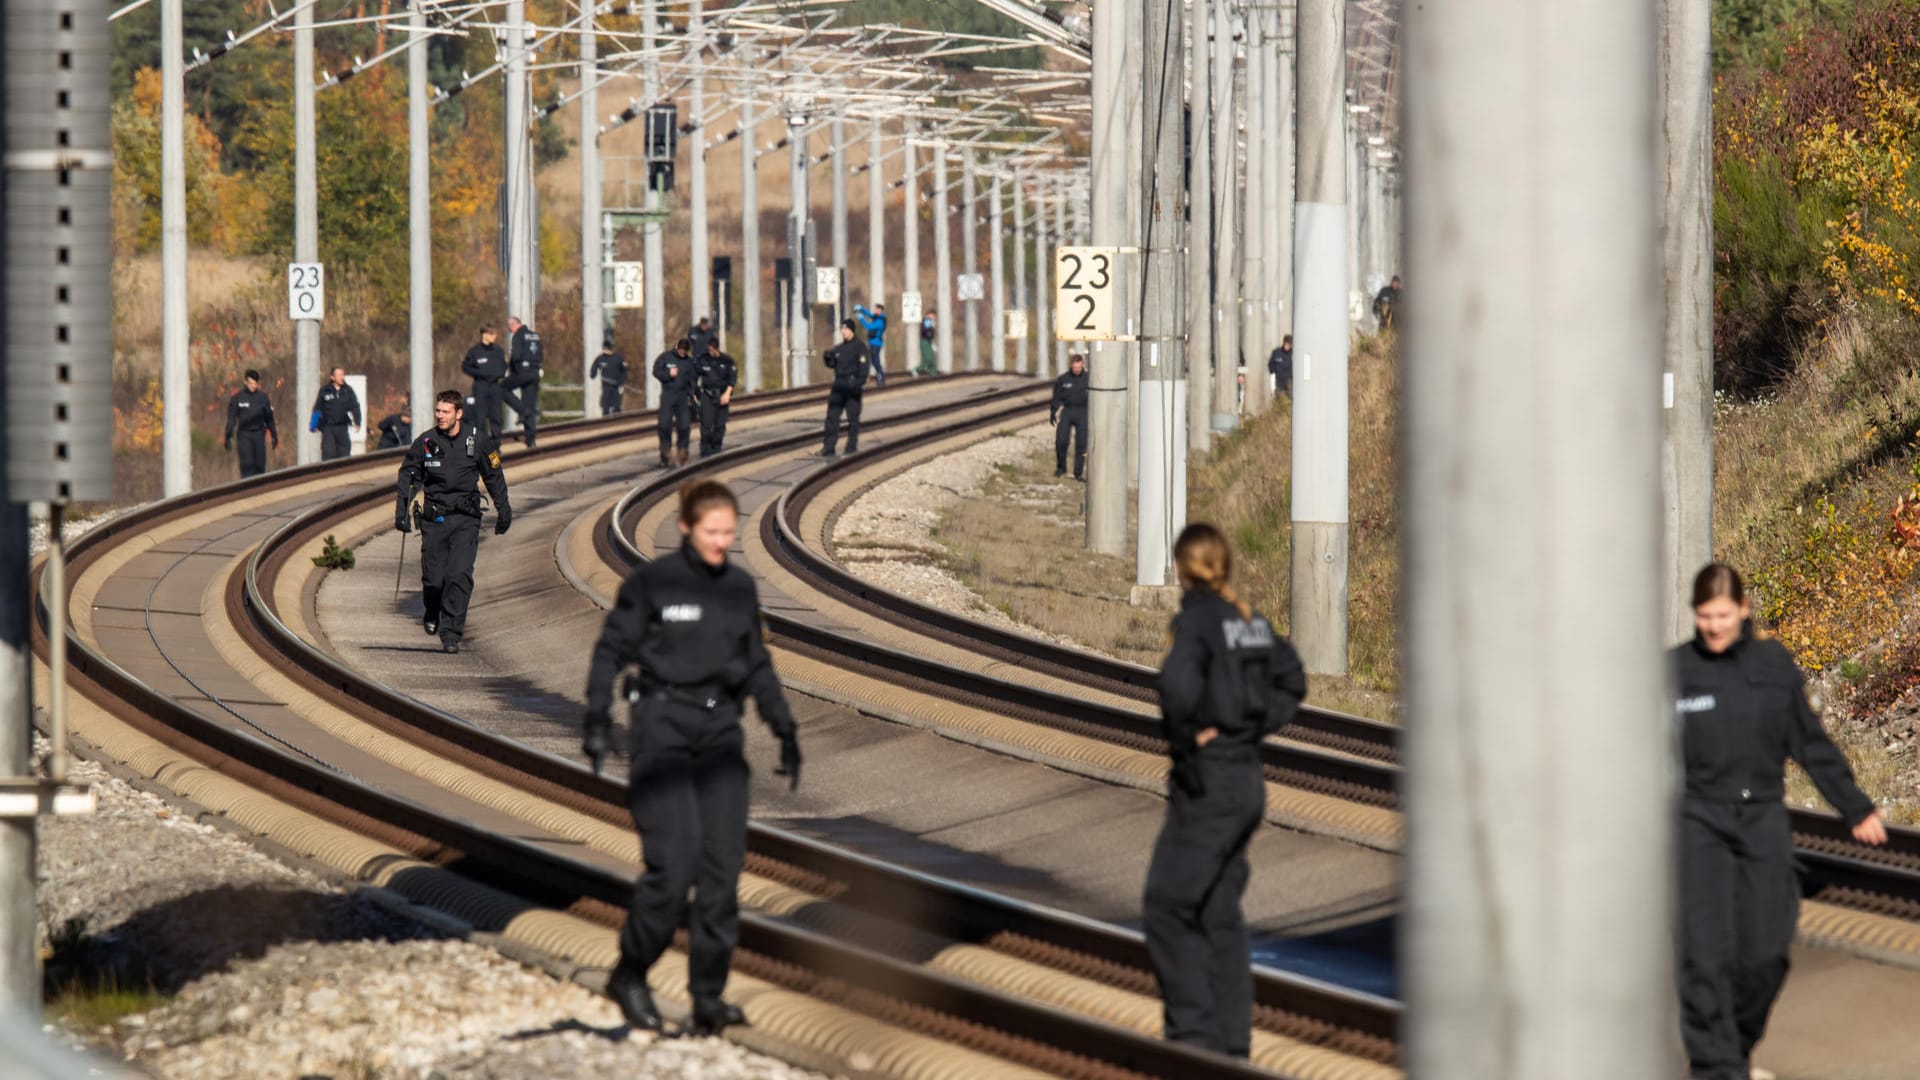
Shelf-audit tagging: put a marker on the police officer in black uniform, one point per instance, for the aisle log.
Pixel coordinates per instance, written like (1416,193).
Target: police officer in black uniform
(674,371)
(1068,414)
(611,369)
(1228,682)
(690,623)
(713,380)
(251,414)
(444,464)
(698,337)
(522,388)
(486,364)
(1280,366)
(849,361)
(396,429)
(1742,707)
(336,412)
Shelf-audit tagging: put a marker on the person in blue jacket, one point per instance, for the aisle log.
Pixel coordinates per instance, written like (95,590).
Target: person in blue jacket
(875,324)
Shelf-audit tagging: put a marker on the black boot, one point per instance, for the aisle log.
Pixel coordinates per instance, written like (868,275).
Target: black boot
(710,1015)
(449,643)
(628,989)
(432,625)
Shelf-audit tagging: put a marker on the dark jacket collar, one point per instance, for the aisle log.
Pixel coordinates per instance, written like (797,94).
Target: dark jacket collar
(698,564)
(1733,651)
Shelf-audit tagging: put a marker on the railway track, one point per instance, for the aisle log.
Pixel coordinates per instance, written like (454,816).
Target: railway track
(191,667)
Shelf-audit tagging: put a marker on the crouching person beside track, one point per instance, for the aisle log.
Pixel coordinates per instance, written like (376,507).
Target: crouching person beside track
(1228,682)
(690,623)
(1742,707)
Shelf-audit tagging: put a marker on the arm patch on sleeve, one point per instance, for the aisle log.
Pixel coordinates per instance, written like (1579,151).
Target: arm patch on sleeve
(493,458)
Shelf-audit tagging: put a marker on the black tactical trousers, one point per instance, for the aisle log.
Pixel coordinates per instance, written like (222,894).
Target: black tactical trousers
(1739,904)
(522,392)
(252,446)
(839,401)
(486,405)
(676,420)
(446,570)
(688,795)
(1072,420)
(1196,934)
(713,425)
(610,399)
(336,441)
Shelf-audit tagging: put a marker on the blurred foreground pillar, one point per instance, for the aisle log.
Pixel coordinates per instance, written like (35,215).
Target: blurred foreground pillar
(1537,794)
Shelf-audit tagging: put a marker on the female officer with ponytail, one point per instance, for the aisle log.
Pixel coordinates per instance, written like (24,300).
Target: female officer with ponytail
(1228,682)
(1742,708)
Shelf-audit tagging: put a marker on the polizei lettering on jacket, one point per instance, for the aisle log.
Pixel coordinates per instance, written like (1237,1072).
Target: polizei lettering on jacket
(680,613)
(1700,703)
(1247,633)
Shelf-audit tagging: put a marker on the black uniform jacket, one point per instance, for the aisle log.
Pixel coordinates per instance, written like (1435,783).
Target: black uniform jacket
(337,407)
(249,410)
(849,363)
(1742,714)
(526,352)
(698,338)
(673,384)
(713,374)
(486,362)
(1280,361)
(1070,392)
(609,368)
(396,429)
(1228,672)
(446,468)
(691,628)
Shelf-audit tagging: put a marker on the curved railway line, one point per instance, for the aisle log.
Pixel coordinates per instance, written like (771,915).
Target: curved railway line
(195,665)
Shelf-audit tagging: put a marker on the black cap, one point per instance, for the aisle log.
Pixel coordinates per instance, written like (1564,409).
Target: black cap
(684,343)
(253,374)
(849,324)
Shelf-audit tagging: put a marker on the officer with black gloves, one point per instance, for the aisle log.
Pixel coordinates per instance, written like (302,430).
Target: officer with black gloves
(713,380)
(674,371)
(486,365)
(690,623)
(251,414)
(336,412)
(849,363)
(445,463)
(611,369)
(1070,405)
(522,388)
(1742,707)
(1228,682)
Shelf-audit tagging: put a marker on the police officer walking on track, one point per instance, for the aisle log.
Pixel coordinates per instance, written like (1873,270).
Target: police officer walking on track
(1742,707)
(674,371)
(522,388)
(1228,682)
(486,365)
(611,369)
(690,623)
(444,464)
(251,413)
(336,412)
(849,363)
(1068,414)
(713,381)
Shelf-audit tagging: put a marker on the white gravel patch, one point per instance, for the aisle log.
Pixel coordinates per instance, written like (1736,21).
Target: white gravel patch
(278,973)
(72,528)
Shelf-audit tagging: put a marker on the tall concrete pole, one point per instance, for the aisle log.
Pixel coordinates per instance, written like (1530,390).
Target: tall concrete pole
(700,296)
(1318,599)
(837,163)
(1042,267)
(176,434)
(1225,412)
(877,229)
(1061,236)
(306,229)
(1356,210)
(1280,101)
(519,168)
(653,273)
(1107,360)
(1200,241)
(799,218)
(910,233)
(593,325)
(1686,458)
(748,275)
(942,262)
(970,250)
(996,278)
(420,386)
(1163,442)
(1255,263)
(1022,359)
(1537,935)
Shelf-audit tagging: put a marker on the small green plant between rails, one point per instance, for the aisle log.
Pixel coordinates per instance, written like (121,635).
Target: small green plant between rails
(334,557)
